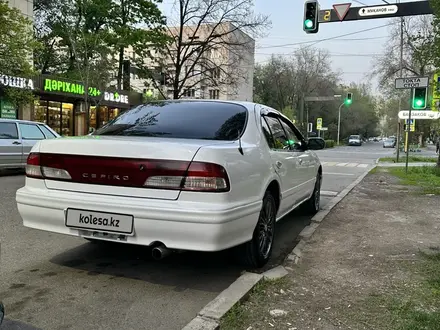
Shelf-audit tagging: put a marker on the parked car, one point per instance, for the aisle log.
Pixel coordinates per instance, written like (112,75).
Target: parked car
(355,140)
(176,175)
(17,137)
(389,143)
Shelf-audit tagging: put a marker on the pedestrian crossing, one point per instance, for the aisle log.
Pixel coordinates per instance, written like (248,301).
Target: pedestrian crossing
(326,164)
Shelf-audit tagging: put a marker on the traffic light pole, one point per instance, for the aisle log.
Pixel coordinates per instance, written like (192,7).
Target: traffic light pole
(400,98)
(339,120)
(408,131)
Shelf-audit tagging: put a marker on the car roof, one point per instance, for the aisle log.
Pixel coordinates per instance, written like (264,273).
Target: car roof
(4,120)
(248,105)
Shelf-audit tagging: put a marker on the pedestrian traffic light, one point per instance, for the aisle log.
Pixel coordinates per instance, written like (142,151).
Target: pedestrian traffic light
(311,9)
(420,95)
(349,99)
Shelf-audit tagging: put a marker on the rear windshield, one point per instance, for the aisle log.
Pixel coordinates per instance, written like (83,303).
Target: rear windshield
(180,120)
(354,136)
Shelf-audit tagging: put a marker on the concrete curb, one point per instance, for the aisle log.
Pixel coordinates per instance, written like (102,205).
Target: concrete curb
(209,317)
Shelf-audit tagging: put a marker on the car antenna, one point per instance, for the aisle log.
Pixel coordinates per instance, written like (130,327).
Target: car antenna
(240,149)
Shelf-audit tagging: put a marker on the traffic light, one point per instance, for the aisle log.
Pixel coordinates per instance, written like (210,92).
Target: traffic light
(311,9)
(349,99)
(420,95)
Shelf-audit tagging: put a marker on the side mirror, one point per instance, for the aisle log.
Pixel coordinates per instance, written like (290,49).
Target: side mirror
(316,143)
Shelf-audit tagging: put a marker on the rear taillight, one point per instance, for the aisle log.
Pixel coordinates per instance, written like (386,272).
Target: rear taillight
(198,177)
(46,166)
(141,173)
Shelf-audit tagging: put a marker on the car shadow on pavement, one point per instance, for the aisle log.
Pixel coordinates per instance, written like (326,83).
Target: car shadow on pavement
(11,172)
(178,269)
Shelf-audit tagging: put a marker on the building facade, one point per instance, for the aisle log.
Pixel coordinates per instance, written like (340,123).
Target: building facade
(224,70)
(25,6)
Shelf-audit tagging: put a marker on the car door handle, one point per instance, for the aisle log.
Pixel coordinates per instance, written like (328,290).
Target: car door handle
(279,164)
(16,142)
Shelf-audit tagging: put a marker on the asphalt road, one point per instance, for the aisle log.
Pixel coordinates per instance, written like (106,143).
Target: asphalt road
(51,281)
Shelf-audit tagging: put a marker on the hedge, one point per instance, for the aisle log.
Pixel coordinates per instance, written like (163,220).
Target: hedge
(329,143)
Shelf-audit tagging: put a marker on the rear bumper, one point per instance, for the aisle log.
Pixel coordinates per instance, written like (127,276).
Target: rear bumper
(178,225)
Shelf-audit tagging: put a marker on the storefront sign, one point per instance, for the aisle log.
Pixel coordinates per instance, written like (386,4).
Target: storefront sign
(7,110)
(54,85)
(16,82)
(116,97)
(60,86)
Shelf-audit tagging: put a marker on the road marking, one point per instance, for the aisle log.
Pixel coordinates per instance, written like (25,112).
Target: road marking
(363,165)
(329,193)
(330,173)
(342,164)
(352,164)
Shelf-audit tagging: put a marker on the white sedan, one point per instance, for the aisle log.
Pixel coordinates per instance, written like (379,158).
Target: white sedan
(176,175)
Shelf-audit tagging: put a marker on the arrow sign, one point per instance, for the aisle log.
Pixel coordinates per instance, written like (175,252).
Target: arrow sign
(378,10)
(341,10)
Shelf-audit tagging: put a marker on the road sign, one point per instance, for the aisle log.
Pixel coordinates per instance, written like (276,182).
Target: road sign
(318,123)
(412,126)
(419,114)
(341,9)
(310,128)
(412,8)
(324,129)
(412,82)
(378,10)
(435,105)
(319,98)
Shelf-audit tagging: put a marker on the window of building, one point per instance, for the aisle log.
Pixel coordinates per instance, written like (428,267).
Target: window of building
(57,115)
(8,131)
(215,73)
(189,93)
(30,132)
(214,94)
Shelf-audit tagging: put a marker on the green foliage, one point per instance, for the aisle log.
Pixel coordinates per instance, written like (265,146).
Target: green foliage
(86,39)
(426,177)
(16,48)
(329,143)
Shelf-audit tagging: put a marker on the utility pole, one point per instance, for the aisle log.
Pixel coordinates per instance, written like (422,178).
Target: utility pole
(400,98)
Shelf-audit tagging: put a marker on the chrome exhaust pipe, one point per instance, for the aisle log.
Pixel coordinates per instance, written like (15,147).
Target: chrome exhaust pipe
(160,252)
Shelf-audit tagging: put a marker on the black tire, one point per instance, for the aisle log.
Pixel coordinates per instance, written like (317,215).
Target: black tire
(312,205)
(250,254)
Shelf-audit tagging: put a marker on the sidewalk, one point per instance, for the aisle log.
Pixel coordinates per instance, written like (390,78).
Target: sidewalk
(373,263)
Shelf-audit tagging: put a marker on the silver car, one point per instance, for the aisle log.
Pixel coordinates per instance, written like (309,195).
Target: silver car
(17,137)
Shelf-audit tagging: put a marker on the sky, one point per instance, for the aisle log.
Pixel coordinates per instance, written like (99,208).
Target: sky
(354,57)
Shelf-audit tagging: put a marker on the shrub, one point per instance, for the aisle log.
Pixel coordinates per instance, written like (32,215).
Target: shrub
(329,143)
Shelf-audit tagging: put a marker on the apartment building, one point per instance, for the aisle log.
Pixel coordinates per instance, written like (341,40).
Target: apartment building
(25,6)
(224,70)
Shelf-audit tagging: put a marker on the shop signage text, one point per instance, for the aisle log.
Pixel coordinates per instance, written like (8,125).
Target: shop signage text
(16,82)
(55,85)
(116,97)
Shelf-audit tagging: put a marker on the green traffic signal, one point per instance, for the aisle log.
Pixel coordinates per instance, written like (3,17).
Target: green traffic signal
(348,101)
(308,23)
(419,98)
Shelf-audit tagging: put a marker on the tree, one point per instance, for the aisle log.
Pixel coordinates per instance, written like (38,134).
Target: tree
(16,47)
(127,17)
(210,43)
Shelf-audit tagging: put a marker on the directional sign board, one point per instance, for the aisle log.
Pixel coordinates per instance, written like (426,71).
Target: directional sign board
(422,114)
(378,10)
(401,9)
(341,10)
(413,82)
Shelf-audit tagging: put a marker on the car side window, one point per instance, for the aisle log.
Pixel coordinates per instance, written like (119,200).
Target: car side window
(267,133)
(49,134)
(31,132)
(294,140)
(8,131)
(281,141)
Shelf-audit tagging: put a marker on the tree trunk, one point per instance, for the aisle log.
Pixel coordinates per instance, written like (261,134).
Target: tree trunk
(120,65)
